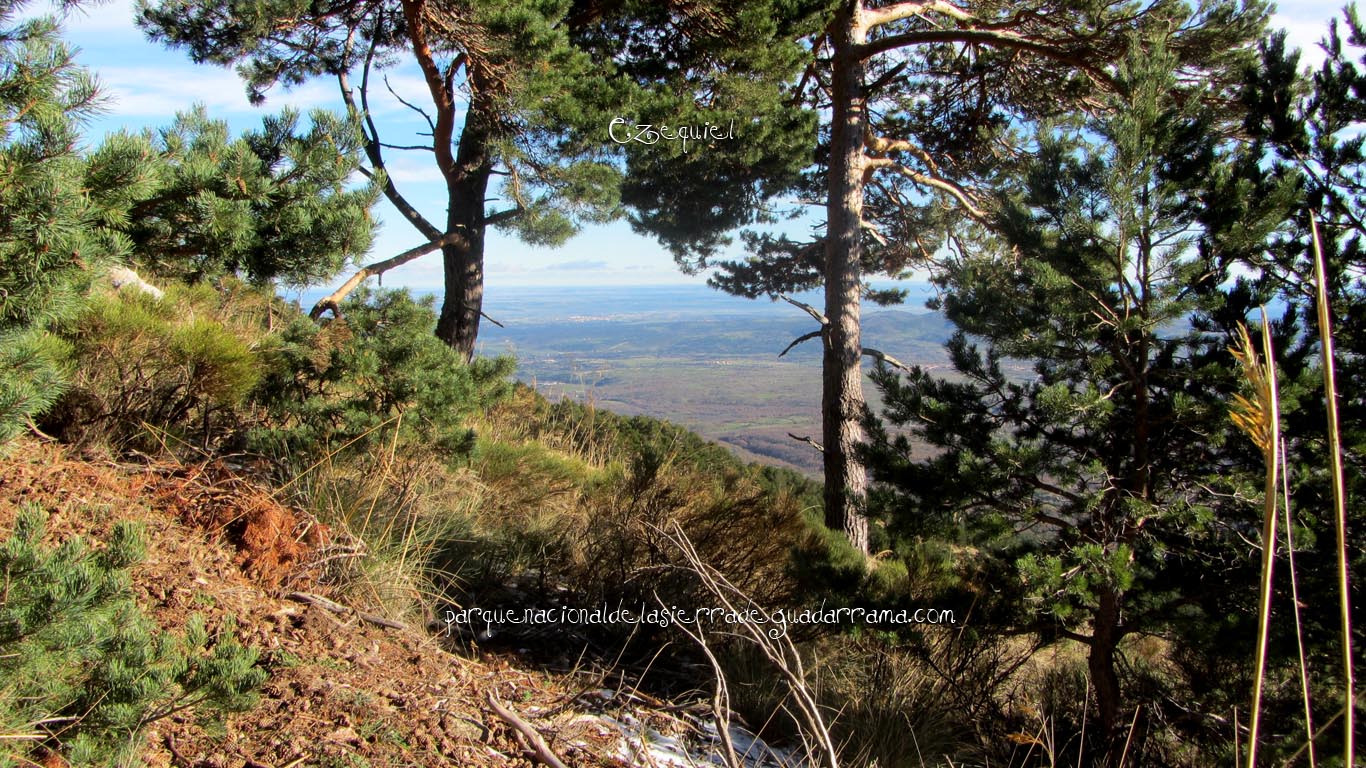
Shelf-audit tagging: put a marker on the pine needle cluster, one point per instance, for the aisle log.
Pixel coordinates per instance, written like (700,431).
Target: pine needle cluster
(82,669)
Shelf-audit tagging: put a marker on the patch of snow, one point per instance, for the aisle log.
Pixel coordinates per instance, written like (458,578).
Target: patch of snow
(645,746)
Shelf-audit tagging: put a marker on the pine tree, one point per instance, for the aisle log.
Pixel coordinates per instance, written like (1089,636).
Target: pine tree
(920,104)
(189,202)
(536,107)
(1104,473)
(46,249)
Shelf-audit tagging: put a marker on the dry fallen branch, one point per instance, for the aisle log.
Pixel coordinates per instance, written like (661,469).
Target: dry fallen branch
(338,608)
(772,642)
(720,702)
(535,743)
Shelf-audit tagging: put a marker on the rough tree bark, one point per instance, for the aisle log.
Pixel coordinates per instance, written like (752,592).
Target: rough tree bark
(463,261)
(1100,662)
(842,402)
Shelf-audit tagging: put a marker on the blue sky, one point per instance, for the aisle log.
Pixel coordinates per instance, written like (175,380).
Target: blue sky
(146,84)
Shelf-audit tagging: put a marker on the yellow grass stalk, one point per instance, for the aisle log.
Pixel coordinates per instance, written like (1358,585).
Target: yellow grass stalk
(1339,489)
(1295,598)
(1259,418)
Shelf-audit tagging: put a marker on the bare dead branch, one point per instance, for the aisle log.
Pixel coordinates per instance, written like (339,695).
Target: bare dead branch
(538,746)
(430,123)
(886,77)
(800,339)
(374,151)
(491,320)
(799,93)
(885,358)
(720,701)
(876,17)
(335,607)
(1048,49)
(810,310)
(808,441)
(772,642)
(500,216)
(873,231)
(333,300)
(407,147)
(963,196)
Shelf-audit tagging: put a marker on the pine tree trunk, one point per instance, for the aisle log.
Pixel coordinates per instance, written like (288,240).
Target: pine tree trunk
(458,324)
(1101,664)
(463,262)
(842,403)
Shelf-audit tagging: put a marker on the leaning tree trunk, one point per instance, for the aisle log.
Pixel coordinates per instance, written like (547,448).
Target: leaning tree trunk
(463,261)
(842,402)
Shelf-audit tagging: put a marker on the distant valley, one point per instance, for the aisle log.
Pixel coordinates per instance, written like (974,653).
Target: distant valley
(695,356)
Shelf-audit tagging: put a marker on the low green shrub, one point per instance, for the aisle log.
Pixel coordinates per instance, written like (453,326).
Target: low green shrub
(351,383)
(34,366)
(82,670)
(180,364)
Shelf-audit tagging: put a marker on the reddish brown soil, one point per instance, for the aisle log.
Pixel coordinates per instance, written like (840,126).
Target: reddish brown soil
(271,541)
(342,692)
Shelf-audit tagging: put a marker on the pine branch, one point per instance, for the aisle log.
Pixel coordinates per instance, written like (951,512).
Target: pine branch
(1048,49)
(800,339)
(373,150)
(885,358)
(810,310)
(876,17)
(332,302)
(430,123)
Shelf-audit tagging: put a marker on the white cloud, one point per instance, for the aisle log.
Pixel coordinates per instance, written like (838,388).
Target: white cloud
(116,16)
(159,91)
(411,167)
(1305,23)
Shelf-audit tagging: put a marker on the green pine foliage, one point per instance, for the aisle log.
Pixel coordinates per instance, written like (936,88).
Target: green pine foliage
(82,670)
(46,246)
(350,383)
(181,363)
(191,202)
(725,64)
(1103,482)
